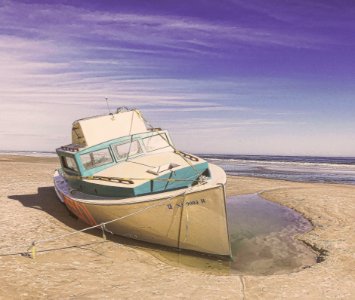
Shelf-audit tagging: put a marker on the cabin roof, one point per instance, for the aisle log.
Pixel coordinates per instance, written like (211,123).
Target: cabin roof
(91,131)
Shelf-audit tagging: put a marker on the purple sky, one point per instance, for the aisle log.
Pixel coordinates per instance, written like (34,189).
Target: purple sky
(229,76)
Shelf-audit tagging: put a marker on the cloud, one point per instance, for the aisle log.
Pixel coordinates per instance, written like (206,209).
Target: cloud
(148,33)
(61,50)
(307,15)
(59,62)
(189,34)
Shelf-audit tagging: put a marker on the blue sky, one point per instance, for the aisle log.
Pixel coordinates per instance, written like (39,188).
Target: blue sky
(229,76)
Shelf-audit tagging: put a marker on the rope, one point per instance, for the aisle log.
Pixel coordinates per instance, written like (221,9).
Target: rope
(185,156)
(29,252)
(32,250)
(130,131)
(182,154)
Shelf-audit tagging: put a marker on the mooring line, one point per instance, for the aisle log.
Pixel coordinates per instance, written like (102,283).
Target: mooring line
(32,250)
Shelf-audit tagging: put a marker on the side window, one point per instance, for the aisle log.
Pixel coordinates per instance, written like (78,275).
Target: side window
(69,163)
(96,158)
(155,142)
(127,150)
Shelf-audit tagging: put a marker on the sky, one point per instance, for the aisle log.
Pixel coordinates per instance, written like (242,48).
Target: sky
(230,76)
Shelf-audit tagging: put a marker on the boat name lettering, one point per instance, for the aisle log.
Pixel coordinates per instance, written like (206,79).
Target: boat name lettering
(188,203)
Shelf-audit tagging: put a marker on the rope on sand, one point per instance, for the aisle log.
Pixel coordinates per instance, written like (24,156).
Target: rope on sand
(32,250)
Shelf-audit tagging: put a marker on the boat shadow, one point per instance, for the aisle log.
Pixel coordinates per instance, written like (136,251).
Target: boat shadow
(46,200)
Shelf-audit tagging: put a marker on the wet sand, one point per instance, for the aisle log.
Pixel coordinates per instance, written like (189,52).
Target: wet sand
(96,268)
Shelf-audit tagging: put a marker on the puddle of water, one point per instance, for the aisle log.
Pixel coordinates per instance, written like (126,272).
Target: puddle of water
(263,236)
(262,239)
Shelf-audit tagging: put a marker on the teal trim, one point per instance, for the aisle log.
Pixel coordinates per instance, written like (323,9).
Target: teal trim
(149,187)
(114,145)
(100,189)
(110,144)
(93,171)
(122,140)
(68,154)
(84,172)
(157,186)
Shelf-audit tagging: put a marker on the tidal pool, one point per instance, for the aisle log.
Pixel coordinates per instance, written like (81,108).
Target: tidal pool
(262,237)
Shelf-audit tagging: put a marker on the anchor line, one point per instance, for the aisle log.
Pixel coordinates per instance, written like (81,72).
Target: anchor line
(31,251)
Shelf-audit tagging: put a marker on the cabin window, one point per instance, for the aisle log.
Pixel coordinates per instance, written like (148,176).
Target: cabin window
(156,142)
(128,150)
(69,163)
(96,158)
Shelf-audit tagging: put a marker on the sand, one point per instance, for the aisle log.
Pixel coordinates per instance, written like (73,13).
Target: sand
(101,269)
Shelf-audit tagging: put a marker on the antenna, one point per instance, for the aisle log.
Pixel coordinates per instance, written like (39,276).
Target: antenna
(108,107)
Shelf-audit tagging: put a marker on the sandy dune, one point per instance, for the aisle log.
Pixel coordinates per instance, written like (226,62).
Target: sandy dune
(101,269)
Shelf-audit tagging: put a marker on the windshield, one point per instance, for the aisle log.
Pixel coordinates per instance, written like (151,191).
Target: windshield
(156,142)
(96,158)
(127,150)
(69,163)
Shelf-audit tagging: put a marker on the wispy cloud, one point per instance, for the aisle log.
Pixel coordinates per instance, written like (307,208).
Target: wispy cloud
(58,62)
(154,33)
(310,15)
(191,34)
(46,52)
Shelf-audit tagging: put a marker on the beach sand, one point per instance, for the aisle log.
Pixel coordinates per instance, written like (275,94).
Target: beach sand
(101,269)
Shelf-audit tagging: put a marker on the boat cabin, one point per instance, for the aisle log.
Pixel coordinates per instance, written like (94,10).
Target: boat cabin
(118,156)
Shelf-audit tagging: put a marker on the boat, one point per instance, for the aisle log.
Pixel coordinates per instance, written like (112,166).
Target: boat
(127,177)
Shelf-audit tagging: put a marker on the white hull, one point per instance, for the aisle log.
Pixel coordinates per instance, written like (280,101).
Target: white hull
(192,219)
